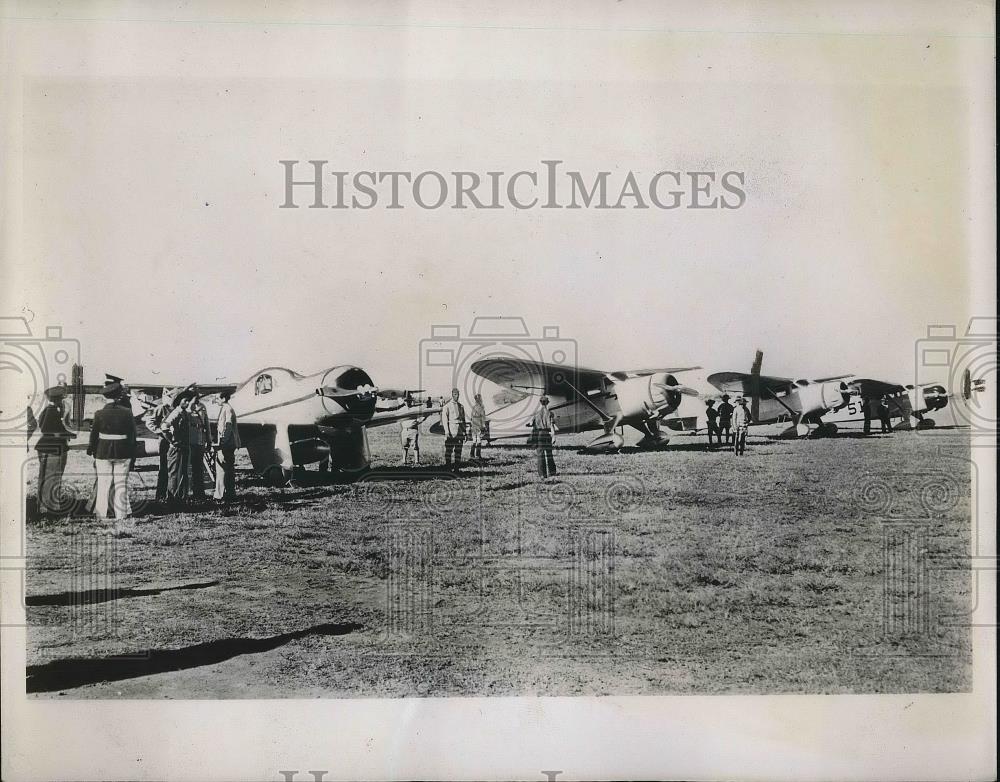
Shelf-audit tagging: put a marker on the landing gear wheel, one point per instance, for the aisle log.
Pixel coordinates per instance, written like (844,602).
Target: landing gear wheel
(275,476)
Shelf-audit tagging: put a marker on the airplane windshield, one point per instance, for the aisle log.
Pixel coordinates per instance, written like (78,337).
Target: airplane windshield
(263,385)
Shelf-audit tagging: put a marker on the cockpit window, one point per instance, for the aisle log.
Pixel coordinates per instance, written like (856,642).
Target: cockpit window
(263,385)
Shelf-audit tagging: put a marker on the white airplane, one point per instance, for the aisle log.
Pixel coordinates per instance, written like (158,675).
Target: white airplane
(582,399)
(910,405)
(287,420)
(814,407)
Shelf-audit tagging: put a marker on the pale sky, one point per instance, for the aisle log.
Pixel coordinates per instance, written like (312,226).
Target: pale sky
(147,220)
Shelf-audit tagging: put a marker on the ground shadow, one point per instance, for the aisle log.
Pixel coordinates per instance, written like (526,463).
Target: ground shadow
(77,672)
(91,596)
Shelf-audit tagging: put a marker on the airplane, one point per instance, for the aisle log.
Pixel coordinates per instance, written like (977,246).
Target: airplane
(815,407)
(287,420)
(905,402)
(584,399)
(802,402)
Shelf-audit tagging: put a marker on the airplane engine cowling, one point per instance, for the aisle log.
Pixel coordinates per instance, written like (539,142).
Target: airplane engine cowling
(820,397)
(348,391)
(648,396)
(933,398)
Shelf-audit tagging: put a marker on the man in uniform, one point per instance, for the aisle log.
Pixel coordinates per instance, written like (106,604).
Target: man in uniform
(409,435)
(453,423)
(543,429)
(741,426)
(177,426)
(200,441)
(478,421)
(228,435)
(52,445)
(155,423)
(725,418)
(112,444)
(713,422)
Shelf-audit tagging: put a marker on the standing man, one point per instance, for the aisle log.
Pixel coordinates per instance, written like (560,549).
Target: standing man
(200,439)
(409,435)
(178,428)
(543,430)
(112,444)
(52,445)
(725,418)
(155,423)
(228,435)
(479,423)
(453,422)
(741,425)
(713,422)
(883,415)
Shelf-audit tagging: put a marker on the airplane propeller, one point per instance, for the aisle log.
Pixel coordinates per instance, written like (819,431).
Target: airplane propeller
(333,392)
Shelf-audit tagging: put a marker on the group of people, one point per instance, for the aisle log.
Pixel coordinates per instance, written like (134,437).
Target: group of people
(731,422)
(181,422)
(112,446)
(877,408)
(187,448)
(457,426)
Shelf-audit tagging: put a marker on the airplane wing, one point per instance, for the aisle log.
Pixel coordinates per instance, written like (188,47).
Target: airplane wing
(381,418)
(868,388)
(627,373)
(746,383)
(156,389)
(537,377)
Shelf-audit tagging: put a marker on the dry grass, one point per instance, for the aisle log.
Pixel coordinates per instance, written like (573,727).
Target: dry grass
(684,571)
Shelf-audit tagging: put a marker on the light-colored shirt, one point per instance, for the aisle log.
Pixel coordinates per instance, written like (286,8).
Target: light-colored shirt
(452,418)
(478,416)
(741,417)
(226,428)
(410,424)
(542,421)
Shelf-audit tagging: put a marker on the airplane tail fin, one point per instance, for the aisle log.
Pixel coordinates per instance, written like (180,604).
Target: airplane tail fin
(758,362)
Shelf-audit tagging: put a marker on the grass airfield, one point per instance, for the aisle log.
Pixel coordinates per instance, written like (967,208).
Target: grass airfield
(807,566)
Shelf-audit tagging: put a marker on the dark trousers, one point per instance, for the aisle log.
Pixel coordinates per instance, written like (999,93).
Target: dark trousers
(543,454)
(198,471)
(163,478)
(740,443)
(51,465)
(225,474)
(725,430)
(453,448)
(177,472)
(886,424)
(713,428)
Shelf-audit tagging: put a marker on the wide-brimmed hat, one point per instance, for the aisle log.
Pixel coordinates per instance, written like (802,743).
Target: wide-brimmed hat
(725,397)
(55,393)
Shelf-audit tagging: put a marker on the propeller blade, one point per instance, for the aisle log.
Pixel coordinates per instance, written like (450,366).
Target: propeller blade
(332,392)
(686,390)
